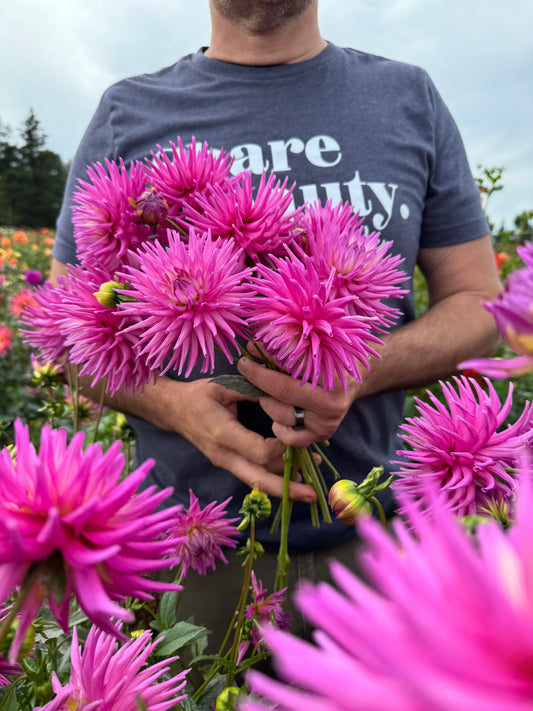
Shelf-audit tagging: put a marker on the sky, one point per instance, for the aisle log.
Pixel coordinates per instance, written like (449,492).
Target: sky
(58,56)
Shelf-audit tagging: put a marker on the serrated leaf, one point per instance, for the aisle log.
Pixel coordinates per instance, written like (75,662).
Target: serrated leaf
(238,383)
(178,636)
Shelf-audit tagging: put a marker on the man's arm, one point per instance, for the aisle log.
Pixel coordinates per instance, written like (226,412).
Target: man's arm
(455,327)
(206,415)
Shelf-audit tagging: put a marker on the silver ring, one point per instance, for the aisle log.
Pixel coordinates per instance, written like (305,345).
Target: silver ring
(299,419)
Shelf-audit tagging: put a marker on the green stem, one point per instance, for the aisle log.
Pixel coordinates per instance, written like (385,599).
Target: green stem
(100,409)
(313,475)
(241,607)
(326,460)
(27,584)
(282,572)
(381,512)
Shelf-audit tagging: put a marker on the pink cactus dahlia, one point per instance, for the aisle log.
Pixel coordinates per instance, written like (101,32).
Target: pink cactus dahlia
(460,449)
(335,239)
(305,327)
(185,300)
(446,623)
(40,323)
(513,313)
(68,524)
(191,172)
(259,224)
(198,536)
(105,217)
(97,335)
(106,677)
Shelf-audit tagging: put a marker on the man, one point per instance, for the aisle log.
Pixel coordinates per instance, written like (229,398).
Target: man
(344,125)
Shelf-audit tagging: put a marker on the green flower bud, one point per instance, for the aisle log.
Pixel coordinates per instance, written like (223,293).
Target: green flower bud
(106,294)
(227,699)
(245,550)
(256,504)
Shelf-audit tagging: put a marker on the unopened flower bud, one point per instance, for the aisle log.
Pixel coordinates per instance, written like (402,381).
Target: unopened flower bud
(151,207)
(256,504)
(106,294)
(347,502)
(227,699)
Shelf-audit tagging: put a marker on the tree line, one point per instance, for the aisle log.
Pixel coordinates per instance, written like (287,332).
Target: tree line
(32,177)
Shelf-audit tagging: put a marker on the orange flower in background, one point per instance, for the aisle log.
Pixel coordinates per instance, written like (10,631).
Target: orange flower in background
(500,258)
(5,339)
(20,237)
(48,241)
(21,300)
(5,242)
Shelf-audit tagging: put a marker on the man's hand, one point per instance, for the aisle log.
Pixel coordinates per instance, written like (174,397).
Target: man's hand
(206,414)
(323,411)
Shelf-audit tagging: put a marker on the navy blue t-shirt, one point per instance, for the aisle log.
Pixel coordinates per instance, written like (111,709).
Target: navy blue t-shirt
(344,125)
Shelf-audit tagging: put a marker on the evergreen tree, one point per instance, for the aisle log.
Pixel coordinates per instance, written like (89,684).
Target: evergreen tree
(32,178)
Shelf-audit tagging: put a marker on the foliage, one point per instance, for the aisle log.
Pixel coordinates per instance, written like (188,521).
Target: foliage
(32,177)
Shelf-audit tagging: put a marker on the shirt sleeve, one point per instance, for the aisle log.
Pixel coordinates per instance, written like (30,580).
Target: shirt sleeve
(453,211)
(96,145)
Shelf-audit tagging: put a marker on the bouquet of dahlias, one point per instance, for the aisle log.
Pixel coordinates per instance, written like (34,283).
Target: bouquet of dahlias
(179,259)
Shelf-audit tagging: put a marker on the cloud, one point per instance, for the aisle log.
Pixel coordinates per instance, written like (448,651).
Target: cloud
(59,56)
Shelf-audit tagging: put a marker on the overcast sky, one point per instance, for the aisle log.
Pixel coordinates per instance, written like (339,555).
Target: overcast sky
(58,56)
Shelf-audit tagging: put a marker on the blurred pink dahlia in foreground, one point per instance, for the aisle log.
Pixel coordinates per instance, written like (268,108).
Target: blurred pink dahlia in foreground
(445,624)
(108,677)
(197,536)
(304,326)
(184,300)
(460,448)
(68,524)
(513,312)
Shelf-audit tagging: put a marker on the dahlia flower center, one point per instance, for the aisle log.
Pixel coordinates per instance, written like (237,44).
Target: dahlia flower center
(458,459)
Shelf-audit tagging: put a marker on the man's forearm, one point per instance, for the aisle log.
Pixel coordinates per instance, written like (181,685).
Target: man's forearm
(431,347)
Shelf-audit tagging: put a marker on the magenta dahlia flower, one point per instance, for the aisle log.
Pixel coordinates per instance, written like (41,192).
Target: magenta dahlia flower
(69,524)
(446,623)
(185,301)
(460,448)
(260,224)
(305,327)
(40,323)
(105,215)
(526,253)
(97,335)
(266,609)
(8,669)
(513,313)
(336,240)
(33,277)
(108,677)
(191,172)
(197,536)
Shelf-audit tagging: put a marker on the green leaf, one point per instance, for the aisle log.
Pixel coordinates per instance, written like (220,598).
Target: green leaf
(167,609)
(238,383)
(9,701)
(178,636)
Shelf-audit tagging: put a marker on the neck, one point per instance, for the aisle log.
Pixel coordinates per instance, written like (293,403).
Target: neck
(261,40)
